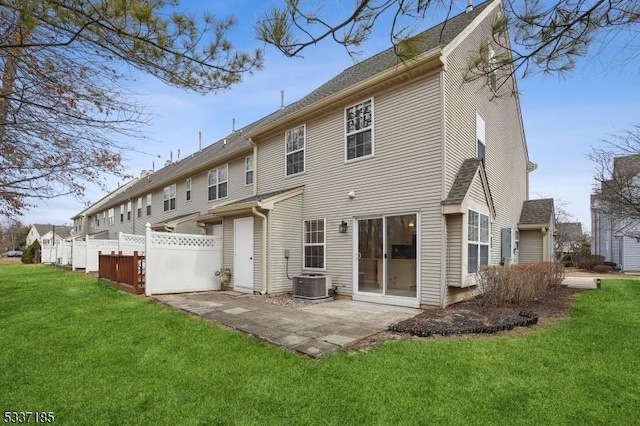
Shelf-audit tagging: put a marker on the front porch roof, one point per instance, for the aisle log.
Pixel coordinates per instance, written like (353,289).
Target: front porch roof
(454,203)
(171,223)
(264,201)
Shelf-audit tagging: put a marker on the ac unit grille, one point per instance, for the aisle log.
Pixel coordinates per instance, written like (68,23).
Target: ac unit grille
(311,286)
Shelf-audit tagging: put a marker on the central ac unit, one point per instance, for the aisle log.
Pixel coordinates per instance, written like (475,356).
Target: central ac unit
(311,286)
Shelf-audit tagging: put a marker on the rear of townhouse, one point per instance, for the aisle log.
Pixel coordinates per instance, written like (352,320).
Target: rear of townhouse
(373,185)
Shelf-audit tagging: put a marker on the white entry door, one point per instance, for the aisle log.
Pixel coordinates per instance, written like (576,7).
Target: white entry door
(243,255)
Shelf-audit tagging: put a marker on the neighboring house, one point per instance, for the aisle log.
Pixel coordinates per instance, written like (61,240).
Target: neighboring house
(87,221)
(44,233)
(569,236)
(398,180)
(614,235)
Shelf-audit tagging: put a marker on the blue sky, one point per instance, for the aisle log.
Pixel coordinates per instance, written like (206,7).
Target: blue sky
(563,117)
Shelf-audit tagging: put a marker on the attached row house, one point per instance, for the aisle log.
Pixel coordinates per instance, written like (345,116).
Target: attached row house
(396,179)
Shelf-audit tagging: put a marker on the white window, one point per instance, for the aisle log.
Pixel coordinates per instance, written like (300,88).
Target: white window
(478,241)
(121,212)
(248,170)
(480,139)
(359,130)
(139,207)
(314,244)
(104,217)
(96,221)
(218,183)
(111,217)
(294,147)
(149,204)
(169,197)
(187,185)
(129,210)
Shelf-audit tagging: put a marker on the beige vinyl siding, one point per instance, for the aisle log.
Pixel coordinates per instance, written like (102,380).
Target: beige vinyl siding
(530,247)
(285,233)
(506,159)
(257,252)
(404,176)
(454,249)
(476,191)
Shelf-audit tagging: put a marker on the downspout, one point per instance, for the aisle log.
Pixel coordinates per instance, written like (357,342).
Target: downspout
(264,247)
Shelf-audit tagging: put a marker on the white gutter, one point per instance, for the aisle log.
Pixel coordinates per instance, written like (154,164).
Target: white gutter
(264,248)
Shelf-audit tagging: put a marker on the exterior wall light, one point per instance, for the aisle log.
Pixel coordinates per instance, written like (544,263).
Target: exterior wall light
(343,227)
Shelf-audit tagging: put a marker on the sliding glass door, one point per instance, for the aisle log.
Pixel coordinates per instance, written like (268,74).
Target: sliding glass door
(387,250)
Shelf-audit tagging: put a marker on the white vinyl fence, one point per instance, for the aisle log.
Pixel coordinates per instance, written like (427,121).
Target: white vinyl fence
(78,254)
(93,247)
(177,263)
(128,243)
(58,253)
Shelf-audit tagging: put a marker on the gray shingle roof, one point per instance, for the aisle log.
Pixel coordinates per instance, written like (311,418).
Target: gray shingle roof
(260,197)
(439,35)
(463,181)
(571,230)
(537,212)
(61,231)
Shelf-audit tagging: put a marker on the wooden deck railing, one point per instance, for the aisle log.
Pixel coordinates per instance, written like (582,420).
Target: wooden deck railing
(125,272)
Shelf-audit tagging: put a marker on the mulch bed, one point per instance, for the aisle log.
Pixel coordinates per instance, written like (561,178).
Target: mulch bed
(470,318)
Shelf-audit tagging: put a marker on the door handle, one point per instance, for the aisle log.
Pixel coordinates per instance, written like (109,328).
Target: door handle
(385,255)
(251,258)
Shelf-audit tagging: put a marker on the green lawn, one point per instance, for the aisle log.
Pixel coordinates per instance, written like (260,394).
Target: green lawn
(94,355)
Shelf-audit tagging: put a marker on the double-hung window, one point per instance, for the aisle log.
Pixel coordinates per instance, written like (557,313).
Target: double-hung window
(111,217)
(149,197)
(248,170)
(121,212)
(480,138)
(169,197)
(294,145)
(477,241)
(218,183)
(129,210)
(359,130)
(188,189)
(139,207)
(314,244)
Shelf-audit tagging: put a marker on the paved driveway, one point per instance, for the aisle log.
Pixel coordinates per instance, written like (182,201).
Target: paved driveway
(313,330)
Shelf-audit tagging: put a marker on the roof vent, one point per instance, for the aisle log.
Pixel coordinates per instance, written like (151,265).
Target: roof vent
(469,6)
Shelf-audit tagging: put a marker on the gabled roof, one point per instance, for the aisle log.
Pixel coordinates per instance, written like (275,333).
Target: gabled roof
(537,212)
(95,206)
(265,201)
(237,142)
(174,221)
(463,181)
(571,230)
(61,231)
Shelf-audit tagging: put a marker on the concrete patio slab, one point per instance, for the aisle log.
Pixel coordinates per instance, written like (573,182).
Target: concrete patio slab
(312,330)
(580,282)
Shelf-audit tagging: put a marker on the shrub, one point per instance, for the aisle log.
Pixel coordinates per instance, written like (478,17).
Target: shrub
(518,284)
(602,269)
(588,261)
(612,264)
(29,253)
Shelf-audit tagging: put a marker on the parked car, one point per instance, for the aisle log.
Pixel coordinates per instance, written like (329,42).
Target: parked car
(12,253)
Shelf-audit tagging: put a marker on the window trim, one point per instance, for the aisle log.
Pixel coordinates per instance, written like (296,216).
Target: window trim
(171,189)
(304,151)
(112,219)
(323,244)
(478,242)
(481,137)
(246,171)
(187,189)
(218,183)
(139,207)
(121,213)
(149,203)
(346,135)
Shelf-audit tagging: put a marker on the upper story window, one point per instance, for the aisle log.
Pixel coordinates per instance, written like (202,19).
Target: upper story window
(111,217)
(294,144)
(104,217)
(314,244)
(481,146)
(121,212)
(96,221)
(359,130)
(139,207)
(478,241)
(187,185)
(129,210)
(218,182)
(149,197)
(248,170)
(169,197)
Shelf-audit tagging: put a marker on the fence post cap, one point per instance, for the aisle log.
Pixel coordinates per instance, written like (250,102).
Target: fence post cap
(148,226)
